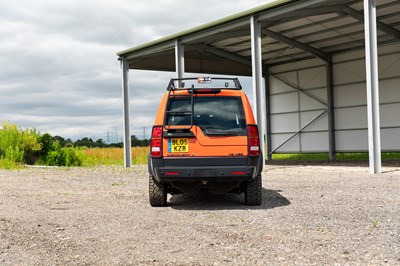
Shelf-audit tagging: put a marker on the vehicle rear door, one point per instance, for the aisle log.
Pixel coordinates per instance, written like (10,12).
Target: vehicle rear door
(217,125)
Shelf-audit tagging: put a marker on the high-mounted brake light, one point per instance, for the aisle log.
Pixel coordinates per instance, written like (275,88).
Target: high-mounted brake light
(206,91)
(156,142)
(253,140)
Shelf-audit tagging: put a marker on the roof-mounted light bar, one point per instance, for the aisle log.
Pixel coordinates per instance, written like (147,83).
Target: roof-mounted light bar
(204,80)
(201,83)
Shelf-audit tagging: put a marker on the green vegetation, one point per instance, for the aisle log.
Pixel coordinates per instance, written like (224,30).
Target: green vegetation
(110,156)
(353,156)
(8,164)
(301,157)
(52,153)
(19,147)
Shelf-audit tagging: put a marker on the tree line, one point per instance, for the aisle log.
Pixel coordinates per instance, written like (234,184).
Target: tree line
(99,143)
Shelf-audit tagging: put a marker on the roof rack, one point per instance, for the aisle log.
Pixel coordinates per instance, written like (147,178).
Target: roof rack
(180,84)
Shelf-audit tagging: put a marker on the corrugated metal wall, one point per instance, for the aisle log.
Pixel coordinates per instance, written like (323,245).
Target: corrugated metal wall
(298,94)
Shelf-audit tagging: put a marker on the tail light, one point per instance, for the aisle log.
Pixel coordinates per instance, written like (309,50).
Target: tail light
(253,140)
(156,141)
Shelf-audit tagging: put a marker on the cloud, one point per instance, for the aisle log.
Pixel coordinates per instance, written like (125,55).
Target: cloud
(59,71)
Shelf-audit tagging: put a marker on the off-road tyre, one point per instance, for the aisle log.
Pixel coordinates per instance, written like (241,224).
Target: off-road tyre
(253,191)
(157,193)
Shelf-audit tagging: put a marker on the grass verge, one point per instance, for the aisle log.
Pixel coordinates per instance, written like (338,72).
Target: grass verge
(110,156)
(359,156)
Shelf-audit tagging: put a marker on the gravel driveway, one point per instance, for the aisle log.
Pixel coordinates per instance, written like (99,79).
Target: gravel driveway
(311,215)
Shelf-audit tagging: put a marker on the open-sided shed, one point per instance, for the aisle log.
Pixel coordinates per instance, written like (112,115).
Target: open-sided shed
(314,68)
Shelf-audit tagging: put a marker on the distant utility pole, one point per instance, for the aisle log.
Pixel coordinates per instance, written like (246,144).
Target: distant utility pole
(115,134)
(144,132)
(107,137)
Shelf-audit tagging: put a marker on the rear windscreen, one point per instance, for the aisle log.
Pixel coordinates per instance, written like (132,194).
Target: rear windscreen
(214,115)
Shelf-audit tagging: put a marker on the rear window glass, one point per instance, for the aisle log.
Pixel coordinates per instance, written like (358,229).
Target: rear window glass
(214,115)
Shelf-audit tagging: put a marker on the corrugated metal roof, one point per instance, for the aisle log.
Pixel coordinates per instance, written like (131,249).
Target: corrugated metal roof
(292,30)
(206,26)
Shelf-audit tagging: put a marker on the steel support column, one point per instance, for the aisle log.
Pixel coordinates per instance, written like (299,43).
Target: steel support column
(331,110)
(268,154)
(371,60)
(179,59)
(126,113)
(258,92)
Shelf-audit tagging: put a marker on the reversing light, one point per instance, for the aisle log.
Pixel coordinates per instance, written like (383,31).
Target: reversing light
(156,142)
(253,140)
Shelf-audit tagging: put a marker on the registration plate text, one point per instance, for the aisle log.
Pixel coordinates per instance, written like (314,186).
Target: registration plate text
(178,145)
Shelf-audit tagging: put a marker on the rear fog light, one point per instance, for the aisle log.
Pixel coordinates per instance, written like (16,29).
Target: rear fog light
(239,173)
(171,173)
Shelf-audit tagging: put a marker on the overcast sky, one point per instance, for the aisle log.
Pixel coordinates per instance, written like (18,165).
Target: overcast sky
(58,66)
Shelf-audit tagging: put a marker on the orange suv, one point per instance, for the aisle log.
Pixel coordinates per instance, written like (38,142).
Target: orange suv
(205,138)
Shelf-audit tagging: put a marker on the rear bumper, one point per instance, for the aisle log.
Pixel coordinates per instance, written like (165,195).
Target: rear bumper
(212,169)
(209,174)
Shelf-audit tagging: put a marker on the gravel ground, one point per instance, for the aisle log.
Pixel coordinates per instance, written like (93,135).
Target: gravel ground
(311,215)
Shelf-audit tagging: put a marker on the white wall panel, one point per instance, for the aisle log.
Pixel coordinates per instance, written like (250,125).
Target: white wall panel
(389,66)
(350,103)
(292,146)
(320,124)
(390,116)
(349,72)
(389,90)
(315,142)
(297,65)
(277,86)
(348,56)
(312,78)
(351,118)
(285,122)
(350,95)
(390,139)
(309,103)
(287,102)
(356,140)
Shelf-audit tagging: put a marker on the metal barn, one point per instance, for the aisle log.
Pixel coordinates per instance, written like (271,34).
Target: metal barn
(314,65)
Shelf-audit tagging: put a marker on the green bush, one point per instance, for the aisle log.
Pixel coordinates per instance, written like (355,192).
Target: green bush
(71,159)
(47,144)
(8,164)
(62,157)
(57,156)
(20,146)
